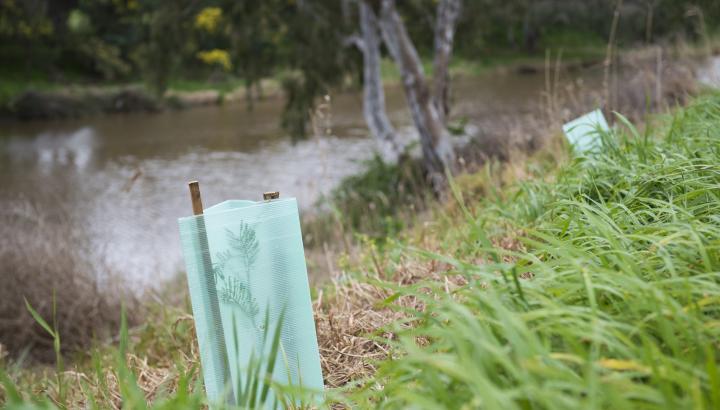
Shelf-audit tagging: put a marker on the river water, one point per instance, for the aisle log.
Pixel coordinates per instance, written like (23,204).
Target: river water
(124,178)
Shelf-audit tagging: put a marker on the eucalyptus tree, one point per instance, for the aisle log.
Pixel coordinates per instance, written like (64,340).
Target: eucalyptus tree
(428,103)
(429,110)
(373,93)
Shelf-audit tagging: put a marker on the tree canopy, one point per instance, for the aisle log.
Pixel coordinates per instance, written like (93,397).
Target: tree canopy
(301,42)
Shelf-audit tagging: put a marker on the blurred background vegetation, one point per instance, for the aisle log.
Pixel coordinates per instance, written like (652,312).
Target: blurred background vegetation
(221,44)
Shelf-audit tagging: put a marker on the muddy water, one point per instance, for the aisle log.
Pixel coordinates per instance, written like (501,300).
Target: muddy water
(123,178)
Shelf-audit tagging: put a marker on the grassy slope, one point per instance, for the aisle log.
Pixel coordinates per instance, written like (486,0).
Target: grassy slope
(599,289)
(590,285)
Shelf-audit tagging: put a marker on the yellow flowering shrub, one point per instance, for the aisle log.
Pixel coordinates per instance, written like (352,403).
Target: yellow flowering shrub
(208,19)
(216,57)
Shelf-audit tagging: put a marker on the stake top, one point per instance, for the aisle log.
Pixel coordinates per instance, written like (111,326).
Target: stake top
(195,197)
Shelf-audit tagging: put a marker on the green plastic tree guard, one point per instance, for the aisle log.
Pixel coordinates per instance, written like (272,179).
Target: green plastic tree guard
(585,133)
(245,264)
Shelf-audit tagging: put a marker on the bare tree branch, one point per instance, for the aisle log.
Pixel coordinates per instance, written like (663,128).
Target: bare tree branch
(354,40)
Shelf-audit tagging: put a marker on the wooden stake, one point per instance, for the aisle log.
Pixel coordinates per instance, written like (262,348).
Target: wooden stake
(195,197)
(216,339)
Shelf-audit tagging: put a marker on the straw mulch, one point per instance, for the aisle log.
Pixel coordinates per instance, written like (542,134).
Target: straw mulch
(351,323)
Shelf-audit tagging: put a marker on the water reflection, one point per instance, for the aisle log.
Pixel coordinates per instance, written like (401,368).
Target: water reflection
(50,150)
(129,204)
(709,73)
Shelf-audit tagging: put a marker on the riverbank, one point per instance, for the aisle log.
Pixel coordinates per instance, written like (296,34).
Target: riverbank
(49,102)
(134,169)
(36,98)
(545,270)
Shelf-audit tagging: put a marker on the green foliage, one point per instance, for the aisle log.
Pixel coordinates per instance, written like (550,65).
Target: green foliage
(161,55)
(104,58)
(315,56)
(235,286)
(25,20)
(53,332)
(611,299)
(79,22)
(572,39)
(378,201)
(237,292)
(300,97)
(245,244)
(253,389)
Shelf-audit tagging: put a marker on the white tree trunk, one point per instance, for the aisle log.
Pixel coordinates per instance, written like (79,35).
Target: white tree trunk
(373,93)
(437,149)
(448,12)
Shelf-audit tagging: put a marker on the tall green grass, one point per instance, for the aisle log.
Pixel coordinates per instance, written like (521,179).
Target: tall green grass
(613,302)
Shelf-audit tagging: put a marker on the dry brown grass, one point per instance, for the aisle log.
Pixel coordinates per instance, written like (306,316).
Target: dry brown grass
(345,324)
(352,318)
(46,259)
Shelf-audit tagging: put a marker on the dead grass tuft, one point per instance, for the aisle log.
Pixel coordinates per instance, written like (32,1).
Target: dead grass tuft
(352,318)
(46,260)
